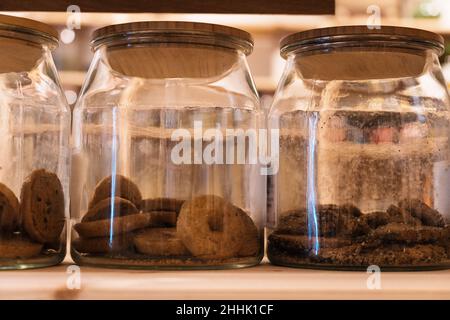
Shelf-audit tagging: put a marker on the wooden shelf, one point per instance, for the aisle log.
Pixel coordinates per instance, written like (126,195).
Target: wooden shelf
(178,6)
(262,282)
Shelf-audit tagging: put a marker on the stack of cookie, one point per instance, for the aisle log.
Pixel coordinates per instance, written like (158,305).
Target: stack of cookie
(34,225)
(120,224)
(410,234)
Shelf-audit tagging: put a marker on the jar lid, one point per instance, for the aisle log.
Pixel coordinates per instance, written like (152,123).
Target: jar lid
(336,36)
(28,26)
(174,32)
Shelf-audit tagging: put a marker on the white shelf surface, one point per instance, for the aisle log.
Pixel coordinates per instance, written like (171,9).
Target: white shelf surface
(262,282)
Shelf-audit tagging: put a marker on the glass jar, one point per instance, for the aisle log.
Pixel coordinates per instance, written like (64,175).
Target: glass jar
(364,174)
(157,184)
(35,131)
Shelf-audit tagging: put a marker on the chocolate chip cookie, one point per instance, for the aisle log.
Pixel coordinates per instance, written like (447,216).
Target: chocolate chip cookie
(9,209)
(42,206)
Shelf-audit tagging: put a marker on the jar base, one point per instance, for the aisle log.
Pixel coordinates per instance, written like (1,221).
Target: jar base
(41,261)
(304,263)
(169,263)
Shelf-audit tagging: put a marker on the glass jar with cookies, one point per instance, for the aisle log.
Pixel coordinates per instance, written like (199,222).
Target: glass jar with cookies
(364,165)
(34,163)
(163,175)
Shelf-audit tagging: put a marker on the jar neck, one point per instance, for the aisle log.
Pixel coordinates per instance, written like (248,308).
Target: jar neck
(22,52)
(170,60)
(363,62)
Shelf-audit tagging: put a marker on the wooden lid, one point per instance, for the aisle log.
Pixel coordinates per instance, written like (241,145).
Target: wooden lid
(324,37)
(174,32)
(28,26)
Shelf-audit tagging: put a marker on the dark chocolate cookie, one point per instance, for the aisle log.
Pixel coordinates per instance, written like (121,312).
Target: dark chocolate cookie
(302,245)
(123,188)
(400,215)
(427,215)
(9,209)
(403,233)
(161,204)
(293,222)
(107,208)
(332,220)
(376,219)
(159,242)
(392,255)
(42,206)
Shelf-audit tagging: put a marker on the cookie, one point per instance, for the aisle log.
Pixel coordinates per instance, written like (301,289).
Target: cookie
(163,218)
(376,219)
(297,244)
(119,225)
(341,221)
(9,209)
(393,255)
(293,222)
(161,204)
(159,242)
(403,233)
(102,245)
(123,188)
(210,227)
(108,207)
(42,206)
(427,215)
(19,248)
(400,215)
(251,244)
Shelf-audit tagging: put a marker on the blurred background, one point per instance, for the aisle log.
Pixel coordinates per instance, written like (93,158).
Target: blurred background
(74,54)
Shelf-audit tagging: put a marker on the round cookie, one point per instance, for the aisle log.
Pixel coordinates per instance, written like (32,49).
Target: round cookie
(42,206)
(120,225)
(124,188)
(101,245)
(161,204)
(210,227)
(159,242)
(162,218)
(9,209)
(18,248)
(102,210)
(251,245)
